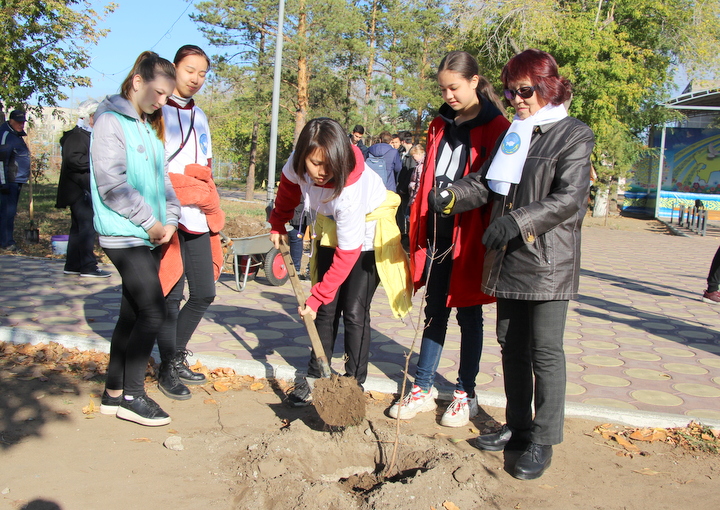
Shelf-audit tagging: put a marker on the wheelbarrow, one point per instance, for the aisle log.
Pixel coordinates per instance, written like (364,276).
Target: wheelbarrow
(249,254)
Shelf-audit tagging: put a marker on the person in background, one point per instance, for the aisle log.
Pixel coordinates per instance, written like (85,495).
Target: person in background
(14,172)
(418,154)
(446,253)
(357,243)
(396,143)
(538,180)
(356,138)
(383,149)
(712,294)
(403,180)
(194,252)
(74,191)
(136,212)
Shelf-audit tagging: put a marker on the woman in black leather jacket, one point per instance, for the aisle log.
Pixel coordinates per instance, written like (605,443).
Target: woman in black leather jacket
(538,178)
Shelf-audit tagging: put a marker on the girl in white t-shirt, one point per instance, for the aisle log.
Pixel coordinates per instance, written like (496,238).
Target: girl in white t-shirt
(329,173)
(188,152)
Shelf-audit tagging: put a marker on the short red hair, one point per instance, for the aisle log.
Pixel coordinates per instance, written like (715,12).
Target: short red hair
(541,69)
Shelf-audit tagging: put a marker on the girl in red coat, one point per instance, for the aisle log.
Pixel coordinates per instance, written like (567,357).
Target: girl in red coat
(447,252)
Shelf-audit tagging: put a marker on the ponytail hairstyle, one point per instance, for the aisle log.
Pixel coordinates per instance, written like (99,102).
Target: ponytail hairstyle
(148,66)
(466,66)
(329,137)
(190,49)
(541,69)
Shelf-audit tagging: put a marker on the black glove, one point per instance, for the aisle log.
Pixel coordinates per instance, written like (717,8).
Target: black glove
(437,202)
(499,232)
(5,189)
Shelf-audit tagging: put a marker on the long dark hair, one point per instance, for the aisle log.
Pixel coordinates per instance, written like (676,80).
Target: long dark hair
(541,69)
(329,137)
(466,66)
(148,65)
(190,49)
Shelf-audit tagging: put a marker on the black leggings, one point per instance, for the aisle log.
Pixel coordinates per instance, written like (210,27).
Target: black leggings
(142,312)
(180,324)
(352,301)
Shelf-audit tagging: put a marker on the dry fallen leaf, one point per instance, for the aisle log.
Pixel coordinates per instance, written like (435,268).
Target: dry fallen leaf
(141,440)
(89,409)
(449,505)
(257,386)
(648,471)
(209,401)
(474,430)
(220,387)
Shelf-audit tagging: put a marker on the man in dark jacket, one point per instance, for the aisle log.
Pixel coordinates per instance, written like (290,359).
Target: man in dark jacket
(356,138)
(74,191)
(14,172)
(393,164)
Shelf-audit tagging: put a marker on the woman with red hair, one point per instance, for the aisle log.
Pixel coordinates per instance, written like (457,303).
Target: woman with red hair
(538,180)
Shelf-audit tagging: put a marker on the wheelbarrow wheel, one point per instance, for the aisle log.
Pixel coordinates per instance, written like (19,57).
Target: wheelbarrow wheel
(275,270)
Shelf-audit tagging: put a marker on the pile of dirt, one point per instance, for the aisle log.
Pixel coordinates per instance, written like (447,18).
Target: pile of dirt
(245,226)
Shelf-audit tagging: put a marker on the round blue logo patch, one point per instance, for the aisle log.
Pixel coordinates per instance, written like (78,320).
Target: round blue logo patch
(511,143)
(204,143)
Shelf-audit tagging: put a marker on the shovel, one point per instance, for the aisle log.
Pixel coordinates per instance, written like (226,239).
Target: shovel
(339,401)
(32,234)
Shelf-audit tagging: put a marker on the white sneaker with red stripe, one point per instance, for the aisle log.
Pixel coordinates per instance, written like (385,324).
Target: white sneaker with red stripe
(417,401)
(460,410)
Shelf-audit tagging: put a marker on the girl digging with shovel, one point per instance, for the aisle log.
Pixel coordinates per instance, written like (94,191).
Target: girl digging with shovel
(356,243)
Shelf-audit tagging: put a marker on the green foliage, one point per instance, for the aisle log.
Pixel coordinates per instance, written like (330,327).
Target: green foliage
(44,44)
(619,55)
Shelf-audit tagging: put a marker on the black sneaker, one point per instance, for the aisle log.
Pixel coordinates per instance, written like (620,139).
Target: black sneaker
(108,404)
(301,395)
(98,273)
(65,271)
(169,382)
(143,410)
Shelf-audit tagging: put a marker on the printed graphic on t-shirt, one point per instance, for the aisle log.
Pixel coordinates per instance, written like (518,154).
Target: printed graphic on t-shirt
(448,164)
(204,143)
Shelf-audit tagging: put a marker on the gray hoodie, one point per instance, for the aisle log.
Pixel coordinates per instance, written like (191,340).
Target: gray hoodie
(109,162)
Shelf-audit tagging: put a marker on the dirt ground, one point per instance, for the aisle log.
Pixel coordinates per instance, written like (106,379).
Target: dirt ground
(237,445)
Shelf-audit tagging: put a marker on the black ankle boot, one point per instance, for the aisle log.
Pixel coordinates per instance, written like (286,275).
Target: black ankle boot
(183,369)
(169,382)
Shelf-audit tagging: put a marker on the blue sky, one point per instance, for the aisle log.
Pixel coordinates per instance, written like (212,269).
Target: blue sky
(136,25)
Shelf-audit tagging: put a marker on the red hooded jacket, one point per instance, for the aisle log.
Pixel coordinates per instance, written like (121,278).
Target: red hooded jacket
(468,250)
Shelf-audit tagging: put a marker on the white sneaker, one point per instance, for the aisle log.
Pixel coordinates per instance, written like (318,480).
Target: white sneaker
(417,401)
(460,410)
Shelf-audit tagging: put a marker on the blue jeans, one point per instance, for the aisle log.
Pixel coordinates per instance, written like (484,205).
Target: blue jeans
(296,246)
(437,314)
(8,210)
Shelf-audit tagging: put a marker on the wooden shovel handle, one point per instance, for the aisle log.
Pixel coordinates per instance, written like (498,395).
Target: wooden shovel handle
(309,322)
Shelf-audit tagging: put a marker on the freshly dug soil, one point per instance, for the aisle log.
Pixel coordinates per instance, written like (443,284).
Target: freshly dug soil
(339,401)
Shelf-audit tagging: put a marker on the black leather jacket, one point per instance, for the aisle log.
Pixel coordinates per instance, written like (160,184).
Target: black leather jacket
(548,204)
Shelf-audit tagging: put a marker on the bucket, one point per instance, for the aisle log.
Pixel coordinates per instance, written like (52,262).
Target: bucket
(59,244)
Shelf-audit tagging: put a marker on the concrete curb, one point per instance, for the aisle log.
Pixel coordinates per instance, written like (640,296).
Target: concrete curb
(633,418)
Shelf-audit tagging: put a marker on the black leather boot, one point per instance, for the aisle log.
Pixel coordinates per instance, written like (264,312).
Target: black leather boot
(169,382)
(533,463)
(503,439)
(183,369)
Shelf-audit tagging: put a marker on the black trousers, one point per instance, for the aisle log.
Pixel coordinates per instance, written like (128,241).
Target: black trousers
(81,243)
(530,334)
(352,302)
(142,312)
(180,323)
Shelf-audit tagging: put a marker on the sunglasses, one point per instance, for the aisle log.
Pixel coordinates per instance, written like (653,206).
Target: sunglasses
(524,92)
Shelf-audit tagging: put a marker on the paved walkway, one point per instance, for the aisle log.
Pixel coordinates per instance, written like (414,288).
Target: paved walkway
(639,339)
